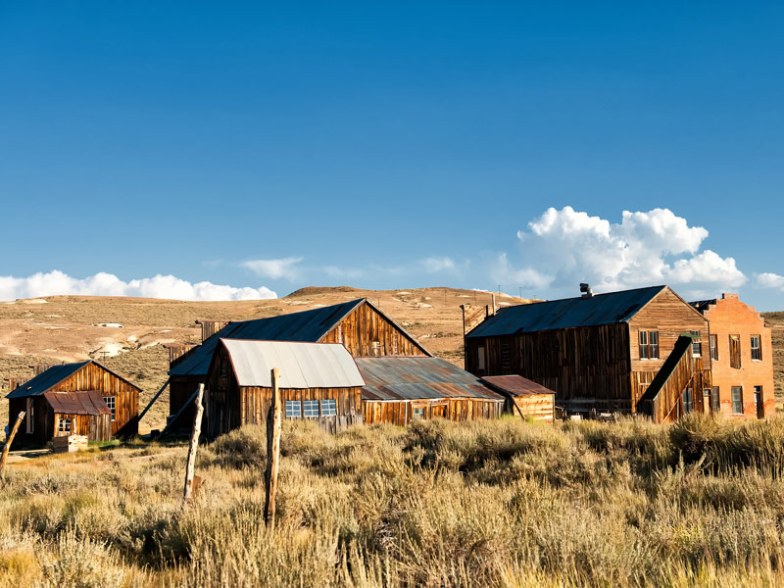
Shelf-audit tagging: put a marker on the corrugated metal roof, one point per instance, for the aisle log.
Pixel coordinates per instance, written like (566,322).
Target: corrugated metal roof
(515,385)
(600,309)
(301,365)
(418,378)
(82,402)
(46,380)
(308,325)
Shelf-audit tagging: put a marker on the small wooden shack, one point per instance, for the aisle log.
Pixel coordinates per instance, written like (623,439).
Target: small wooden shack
(318,381)
(400,389)
(83,398)
(359,325)
(524,397)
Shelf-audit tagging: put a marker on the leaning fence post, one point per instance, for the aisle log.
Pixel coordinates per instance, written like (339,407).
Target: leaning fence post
(7,446)
(274,425)
(190,468)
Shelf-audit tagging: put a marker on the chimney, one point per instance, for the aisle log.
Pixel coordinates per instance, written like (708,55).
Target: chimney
(586,290)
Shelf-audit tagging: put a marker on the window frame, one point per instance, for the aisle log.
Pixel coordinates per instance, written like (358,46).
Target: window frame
(758,348)
(61,425)
(713,343)
(696,344)
(715,399)
(324,406)
(291,414)
(737,403)
(307,409)
(688,400)
(648,344)
(112,405)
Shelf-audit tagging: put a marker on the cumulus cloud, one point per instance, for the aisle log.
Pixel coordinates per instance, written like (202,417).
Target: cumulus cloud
(105,284)
(564,247)
(770,280)
(275,269)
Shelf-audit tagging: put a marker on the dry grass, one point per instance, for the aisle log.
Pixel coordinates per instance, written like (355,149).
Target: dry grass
(501,503)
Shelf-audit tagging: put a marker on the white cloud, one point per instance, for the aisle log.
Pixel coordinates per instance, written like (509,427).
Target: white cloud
(56,283)
(275,269)
(342,273)
(434,265)
(770,280)
(564,247)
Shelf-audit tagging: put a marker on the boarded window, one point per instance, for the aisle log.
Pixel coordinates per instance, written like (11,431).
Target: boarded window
(715,403)
(293,409)
(737,400)
(110,402)
(328,408)
(735,351)
(649,344)
(310,409)
(756,347)
(714,347)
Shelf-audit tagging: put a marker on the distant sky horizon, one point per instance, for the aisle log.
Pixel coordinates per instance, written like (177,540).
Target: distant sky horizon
(239,150)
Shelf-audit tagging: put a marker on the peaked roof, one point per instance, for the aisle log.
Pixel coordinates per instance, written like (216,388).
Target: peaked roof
(599,309)
(418,378)
(49,378)
(306,326)
(301,365)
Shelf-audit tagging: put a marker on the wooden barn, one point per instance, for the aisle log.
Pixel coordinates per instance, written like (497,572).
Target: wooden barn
(400,389)
(600,353)
(524,397)
(359,325)
(83,398)
(741,352)
(317,381)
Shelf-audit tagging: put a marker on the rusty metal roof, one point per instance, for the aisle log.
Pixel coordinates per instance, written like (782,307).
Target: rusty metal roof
(301,365)
(308,325)
(418,378)
(600,309)
(515,385)
(82,402)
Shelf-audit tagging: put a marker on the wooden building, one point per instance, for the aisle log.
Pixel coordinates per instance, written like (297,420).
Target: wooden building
(317,381)
(360,326)
(83,398)
(599,353)
(400,389)
(524,397)
(741,351)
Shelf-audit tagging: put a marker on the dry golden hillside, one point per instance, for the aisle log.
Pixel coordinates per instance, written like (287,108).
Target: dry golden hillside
(130,335)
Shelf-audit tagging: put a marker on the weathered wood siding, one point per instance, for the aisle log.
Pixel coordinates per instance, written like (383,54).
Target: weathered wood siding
(536,407)
(589,364)
(94,427)
(367,333)
(402,412)
(42,421)
(181,388)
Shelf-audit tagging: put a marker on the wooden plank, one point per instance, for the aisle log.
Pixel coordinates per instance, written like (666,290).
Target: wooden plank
(190,464)
(7,446)
(274,427)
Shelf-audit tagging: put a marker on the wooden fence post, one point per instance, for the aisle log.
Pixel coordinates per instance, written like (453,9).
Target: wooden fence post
(7,446)
(274,426)
(191,464)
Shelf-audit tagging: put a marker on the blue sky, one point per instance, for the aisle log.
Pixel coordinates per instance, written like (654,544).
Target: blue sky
(244,146)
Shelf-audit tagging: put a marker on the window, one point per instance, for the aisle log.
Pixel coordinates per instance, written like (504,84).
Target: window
(293,409)
(649,344)
(735,351)
(756,348)
(714,347)
(480,358)
(64,426)
(328,408)
(696,344)
(109,400)
(715,400)
(737,400)
(310,409)
(419,413)
(688,400)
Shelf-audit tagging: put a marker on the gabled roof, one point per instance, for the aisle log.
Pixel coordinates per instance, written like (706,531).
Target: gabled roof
(515,385)
(301,365)
(599,309)
(88,402)
(418,378)
(308,326)
(49,378)
(46,380)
